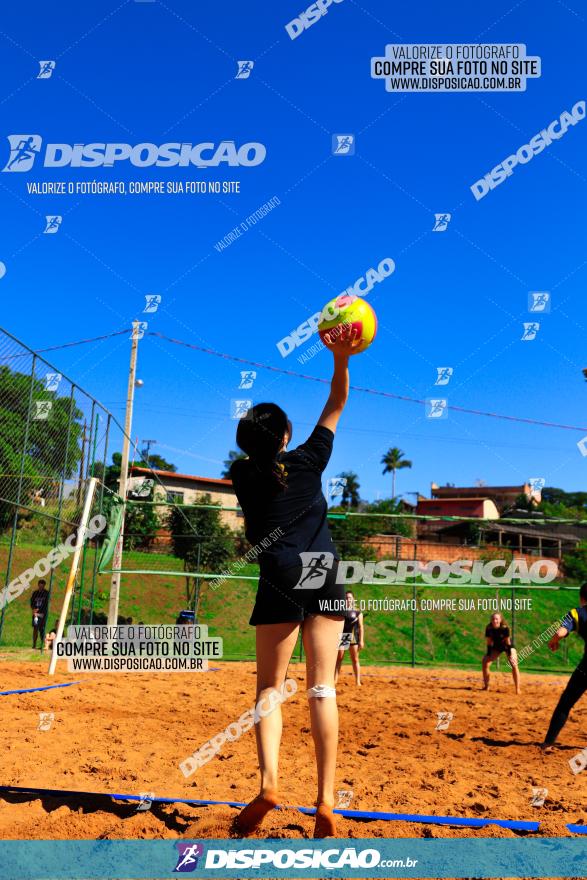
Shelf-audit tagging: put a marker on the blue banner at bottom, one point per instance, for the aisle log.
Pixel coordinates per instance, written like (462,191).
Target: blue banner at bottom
(365,858)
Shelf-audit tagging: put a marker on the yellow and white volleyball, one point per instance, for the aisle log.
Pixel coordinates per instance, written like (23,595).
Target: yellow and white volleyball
(348,311)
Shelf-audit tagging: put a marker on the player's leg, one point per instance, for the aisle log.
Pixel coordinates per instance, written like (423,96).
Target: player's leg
(354,652)
(275,645)
(513,661)
(339,659)
(486,664)
(576,687)
(321,637)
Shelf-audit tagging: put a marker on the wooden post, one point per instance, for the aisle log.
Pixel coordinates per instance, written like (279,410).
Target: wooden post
(80,539)
(123,481)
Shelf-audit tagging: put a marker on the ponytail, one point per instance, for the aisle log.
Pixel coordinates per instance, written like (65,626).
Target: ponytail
(260,434)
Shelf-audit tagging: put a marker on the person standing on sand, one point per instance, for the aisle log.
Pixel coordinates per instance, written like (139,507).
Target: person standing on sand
(280,493)
(352,638)
(497,635)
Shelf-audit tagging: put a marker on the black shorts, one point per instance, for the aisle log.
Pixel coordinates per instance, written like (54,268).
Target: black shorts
(278,600)
(494,653)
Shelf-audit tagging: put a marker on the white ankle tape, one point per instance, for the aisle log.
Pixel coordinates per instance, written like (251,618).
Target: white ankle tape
(319,691)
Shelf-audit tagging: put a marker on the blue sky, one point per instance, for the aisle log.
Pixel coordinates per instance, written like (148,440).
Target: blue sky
(164,71)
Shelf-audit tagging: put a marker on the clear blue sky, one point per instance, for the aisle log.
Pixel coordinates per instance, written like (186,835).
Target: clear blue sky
(164,71)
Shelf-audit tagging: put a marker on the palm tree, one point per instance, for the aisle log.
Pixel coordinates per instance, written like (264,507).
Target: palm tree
(350,492)
(233,455)
(394,461)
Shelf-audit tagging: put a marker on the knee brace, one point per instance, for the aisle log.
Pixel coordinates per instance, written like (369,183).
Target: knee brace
(320,691)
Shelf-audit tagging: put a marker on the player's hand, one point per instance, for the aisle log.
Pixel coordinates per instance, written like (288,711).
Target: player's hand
(348,339)
(554,643)
(361,645)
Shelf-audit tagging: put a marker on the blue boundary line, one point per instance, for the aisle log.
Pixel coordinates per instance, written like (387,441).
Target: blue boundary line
(514,825)
(47,687)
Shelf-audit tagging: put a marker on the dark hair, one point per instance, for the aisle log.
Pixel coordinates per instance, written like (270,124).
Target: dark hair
(42,581)
(260,434)
(583,591)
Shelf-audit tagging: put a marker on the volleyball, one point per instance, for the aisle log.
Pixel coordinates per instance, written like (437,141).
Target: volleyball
(343,311)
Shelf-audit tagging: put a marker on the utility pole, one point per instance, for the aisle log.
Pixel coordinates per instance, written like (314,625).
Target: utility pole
(123,481)
(146,449)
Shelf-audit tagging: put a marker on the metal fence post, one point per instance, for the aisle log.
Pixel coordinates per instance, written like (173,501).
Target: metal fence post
(19,490)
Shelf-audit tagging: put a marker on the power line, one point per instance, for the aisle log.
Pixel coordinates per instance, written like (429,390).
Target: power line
(359,388)
(388,394)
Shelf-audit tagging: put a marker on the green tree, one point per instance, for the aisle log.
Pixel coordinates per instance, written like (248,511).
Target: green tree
(233,455)
(575,563)
(158,463)
(141,522)
(350,493)
(52,450)
(393,461)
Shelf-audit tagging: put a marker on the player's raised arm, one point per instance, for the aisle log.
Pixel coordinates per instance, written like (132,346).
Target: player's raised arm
(339,386)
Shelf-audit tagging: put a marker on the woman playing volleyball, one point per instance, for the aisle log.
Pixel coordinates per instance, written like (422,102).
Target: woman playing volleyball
(280,494)
(497,634)
(352,638)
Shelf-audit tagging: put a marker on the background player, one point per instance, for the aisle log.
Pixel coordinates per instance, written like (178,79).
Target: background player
(352,638)
(497,634)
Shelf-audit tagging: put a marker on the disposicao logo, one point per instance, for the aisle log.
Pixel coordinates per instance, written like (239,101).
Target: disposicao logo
(24,149)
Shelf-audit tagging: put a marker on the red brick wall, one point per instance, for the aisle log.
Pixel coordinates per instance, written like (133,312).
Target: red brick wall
(390,547)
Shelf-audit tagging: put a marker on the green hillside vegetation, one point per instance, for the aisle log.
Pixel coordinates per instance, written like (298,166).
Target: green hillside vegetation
(441,637)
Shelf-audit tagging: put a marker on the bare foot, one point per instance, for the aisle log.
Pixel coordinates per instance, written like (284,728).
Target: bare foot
(325,825)
(249,819)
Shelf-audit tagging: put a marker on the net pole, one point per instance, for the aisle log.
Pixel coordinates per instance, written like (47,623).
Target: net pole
(80,541)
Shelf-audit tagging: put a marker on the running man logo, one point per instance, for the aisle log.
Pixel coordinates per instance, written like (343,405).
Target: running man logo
(244,69)
(539,301)
(441,222)
(138,329)
(143,490)
(53,224)
(336,486)
(345,797)
(536,484)
(239,409)
(437,408)
(444,375)
(46,719)
(538,796)
(52,381)
(152,302)
(187,861)
(24,149)
(343,145)
(247,378)
(42,410)
(444,719)
(578,762)
(530,331)
(46,69)
(146,801)
(315,567)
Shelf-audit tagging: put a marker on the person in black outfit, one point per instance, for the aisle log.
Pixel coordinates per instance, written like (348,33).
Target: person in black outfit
(285,512)
(39,606)
(352,638)
(575,621)
(497,635)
